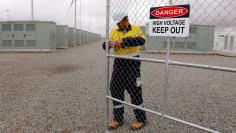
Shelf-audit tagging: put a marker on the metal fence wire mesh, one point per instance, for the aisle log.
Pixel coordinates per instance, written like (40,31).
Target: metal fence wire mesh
(172,92)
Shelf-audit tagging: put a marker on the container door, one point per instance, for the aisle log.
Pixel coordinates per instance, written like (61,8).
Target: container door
(179,44)
(7,36)
(52,38)
(191,42)
(234,42)
(74,36)
(30,36)
(18,37)
(231,41)
(66,34)
(226,42)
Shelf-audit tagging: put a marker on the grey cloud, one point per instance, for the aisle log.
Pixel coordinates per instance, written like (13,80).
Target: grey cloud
(210,12)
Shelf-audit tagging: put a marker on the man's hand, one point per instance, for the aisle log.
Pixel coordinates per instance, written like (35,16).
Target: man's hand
(113,44)
(117,44)
(110,45)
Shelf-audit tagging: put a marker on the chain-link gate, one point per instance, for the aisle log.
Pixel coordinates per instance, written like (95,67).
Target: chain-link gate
(172,92)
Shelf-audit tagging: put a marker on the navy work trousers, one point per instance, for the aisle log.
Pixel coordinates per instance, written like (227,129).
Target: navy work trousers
(126,76)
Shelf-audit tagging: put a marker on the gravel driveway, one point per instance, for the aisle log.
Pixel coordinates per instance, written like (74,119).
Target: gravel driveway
(64,92)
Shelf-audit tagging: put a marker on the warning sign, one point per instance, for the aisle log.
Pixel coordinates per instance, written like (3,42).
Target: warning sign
(169,21)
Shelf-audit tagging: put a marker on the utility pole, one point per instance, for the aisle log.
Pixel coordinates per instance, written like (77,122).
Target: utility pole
(75,13)
(90,15)
(80,8)
(80,24)
(170,2)
(32,9)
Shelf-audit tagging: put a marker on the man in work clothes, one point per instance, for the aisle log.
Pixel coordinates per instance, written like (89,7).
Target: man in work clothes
(127,40)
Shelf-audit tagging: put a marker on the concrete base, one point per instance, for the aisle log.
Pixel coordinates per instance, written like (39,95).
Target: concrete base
(62,47)
(28,50)
(178,52)
(74,45)
(226,53)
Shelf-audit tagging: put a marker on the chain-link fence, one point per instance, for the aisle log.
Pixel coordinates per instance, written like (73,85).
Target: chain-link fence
(189,92)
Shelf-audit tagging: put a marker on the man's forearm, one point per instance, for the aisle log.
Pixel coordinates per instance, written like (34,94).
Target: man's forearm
(136,41)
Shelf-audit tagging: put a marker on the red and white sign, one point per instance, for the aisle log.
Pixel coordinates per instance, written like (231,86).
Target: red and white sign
(167,12)
(169,21)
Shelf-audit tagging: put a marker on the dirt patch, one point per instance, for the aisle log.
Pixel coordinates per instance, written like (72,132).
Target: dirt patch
(64,69)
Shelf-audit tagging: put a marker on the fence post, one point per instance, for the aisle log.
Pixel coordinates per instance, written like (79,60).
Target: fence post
(107,60)
(164,96)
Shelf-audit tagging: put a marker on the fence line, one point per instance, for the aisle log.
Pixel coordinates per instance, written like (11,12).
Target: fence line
(138,12)
(177,63)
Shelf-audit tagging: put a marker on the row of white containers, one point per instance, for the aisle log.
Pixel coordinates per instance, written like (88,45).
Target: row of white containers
(69,37)
(41,36)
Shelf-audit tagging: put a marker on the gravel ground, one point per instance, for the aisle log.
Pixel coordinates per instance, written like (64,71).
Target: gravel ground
(64,92)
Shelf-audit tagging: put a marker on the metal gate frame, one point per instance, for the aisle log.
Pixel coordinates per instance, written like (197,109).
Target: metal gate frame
(167,62)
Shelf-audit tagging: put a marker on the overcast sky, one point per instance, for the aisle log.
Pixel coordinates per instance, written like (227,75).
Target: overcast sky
(209,12)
